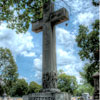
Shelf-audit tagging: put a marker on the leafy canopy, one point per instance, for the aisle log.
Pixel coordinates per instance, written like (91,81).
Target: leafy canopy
(34,87)
(67,83)
(84,88)
(8,69)
(20,13)
(95,2)
(88,41)
(20,88)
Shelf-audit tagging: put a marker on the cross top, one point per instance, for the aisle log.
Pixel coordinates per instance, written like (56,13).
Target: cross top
(47,25)
(48,5)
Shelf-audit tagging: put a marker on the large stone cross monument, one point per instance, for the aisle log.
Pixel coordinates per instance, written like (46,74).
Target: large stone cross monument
(47,25)
(49,69)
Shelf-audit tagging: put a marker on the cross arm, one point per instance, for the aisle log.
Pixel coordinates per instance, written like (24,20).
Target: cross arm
(59,16)
(37,26)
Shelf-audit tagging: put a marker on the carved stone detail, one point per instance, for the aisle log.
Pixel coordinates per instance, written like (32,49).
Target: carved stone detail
(42,98)
(49,80)
(48,96)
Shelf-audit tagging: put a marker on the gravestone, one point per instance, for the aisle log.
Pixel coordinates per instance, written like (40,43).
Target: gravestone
(49,69)
(4,96)
(96,77)
(85,96)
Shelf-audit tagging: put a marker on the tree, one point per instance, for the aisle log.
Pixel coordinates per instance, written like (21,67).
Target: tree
(67,83)
(20,88)
(20,13)
(8,69)
(88,41)
(95,2)
(34,87)
(84,88)
(87,74)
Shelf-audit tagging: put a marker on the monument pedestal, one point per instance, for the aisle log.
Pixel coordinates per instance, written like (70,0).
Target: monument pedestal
(48,96)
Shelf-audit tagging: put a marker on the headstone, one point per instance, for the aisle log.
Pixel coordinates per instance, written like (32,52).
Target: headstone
(85,96)
(25,97)
(49,69)
(96,77)
(4,96)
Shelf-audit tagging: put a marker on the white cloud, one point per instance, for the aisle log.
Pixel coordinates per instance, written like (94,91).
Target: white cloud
(17,43)
(85,12)
(69,60)
(76,6)
(38,68)
(28,54)
(38,76)
(67,56)
(22,77)
(65,38)
(38,63)
(82,11)
(73,69)
(73,6)
(86,18)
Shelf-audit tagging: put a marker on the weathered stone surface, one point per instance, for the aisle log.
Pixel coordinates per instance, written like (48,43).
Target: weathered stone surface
(56,17)
(47,24)
(37,26)
(48,96)
(49,49)
(59,16)
(49,80)
(62,96)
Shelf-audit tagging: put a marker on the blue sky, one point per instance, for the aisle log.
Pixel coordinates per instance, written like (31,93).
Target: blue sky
(27,48)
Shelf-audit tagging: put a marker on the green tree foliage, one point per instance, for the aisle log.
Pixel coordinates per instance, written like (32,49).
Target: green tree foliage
(95,2)
(84,88)
(34,87)
(20,88)
(20,13)
(87,73)
(8,69)
(67,83)
(88,41)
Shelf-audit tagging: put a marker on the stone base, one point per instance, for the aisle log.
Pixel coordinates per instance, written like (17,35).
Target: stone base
(50,90)
(48,96)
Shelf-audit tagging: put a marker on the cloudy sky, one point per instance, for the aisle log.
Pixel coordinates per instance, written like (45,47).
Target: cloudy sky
(27,48)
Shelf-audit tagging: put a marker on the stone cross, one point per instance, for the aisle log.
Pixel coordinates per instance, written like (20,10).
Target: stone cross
(47,25)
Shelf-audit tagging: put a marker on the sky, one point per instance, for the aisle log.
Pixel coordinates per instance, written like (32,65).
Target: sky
(27,48)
